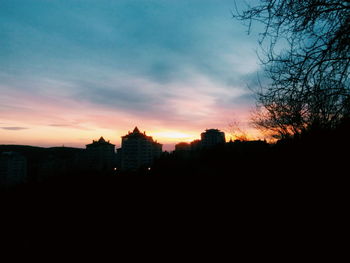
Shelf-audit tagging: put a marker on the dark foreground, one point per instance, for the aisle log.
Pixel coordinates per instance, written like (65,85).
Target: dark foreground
(206,203)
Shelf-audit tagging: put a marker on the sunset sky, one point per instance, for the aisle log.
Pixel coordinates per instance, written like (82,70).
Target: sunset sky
(74,70)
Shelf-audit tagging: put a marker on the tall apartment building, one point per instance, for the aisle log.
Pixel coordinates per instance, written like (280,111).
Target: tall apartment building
(101,155)
(212,137)
(138,150)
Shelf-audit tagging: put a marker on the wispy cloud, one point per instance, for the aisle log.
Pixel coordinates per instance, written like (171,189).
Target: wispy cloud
(14,128)
(73,126)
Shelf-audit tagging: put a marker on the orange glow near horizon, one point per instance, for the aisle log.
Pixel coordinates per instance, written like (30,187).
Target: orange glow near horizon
(51,122)
(47,136)
(172,136)
(70,137)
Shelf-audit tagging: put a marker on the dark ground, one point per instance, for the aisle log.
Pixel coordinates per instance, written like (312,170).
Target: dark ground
(227,196)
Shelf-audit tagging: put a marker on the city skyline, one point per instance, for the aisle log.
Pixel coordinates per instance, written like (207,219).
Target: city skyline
(71,71)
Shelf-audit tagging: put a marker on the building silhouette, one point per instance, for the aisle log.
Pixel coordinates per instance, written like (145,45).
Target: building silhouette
(13,169)
(209,138)
(100,155)
(212,137)
(196,145)
(138,150)
(182,146)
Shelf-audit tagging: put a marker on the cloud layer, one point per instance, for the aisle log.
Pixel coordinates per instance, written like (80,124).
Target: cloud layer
(95,65)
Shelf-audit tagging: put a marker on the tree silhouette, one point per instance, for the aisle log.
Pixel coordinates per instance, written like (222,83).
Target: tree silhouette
(236,132)
(306,56)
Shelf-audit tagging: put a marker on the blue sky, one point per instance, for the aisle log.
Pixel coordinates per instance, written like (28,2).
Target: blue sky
(105,66)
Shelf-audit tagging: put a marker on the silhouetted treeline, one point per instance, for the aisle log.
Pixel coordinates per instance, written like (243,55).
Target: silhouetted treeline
(220,160)
(306,157)
(315,152)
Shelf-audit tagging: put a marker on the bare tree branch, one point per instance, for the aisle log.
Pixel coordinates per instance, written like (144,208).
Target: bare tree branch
(307,61)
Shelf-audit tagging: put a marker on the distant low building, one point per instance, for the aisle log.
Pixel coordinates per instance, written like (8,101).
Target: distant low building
(183,146)
(138,150)
(13,169)
(196,145)
(212,137)
(101,155)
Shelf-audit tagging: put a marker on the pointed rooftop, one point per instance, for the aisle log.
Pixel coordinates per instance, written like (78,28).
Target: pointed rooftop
(137,134)
(101,140)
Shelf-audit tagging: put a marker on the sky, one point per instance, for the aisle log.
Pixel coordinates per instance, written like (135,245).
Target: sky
(74,70)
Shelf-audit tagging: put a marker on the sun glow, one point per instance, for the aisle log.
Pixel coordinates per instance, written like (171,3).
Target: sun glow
(174,136)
